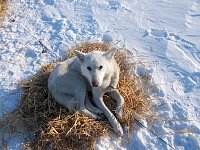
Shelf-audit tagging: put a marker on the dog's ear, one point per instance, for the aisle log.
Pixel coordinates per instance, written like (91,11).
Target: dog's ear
(80,55)
(110,53)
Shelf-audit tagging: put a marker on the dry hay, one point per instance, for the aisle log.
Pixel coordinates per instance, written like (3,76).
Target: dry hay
(52,124)
(3,8)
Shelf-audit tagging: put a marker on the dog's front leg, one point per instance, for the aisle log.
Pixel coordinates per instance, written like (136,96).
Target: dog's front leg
(92,108)
(98,100)
(81,96)
(114,94)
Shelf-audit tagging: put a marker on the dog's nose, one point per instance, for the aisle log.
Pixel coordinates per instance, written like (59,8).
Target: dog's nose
(95,83)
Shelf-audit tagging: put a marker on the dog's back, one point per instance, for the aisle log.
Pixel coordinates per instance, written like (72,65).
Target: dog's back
(63,82)
(60,70)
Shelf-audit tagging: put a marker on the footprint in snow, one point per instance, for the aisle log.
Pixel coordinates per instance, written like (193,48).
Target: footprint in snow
(164,34)
(179,113)
(114,4)
(185,50)
(107,38)
(156,33)
(30,53)
(184,142)
(48,2)
(187,83)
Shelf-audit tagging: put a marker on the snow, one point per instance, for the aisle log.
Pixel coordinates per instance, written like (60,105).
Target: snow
(163,34)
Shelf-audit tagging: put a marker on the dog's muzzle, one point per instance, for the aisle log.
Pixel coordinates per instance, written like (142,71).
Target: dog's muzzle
(95,83)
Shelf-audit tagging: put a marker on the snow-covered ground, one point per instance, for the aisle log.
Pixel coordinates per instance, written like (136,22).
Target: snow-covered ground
(163,34)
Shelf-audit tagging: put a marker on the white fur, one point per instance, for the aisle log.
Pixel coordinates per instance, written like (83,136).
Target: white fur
(97,72)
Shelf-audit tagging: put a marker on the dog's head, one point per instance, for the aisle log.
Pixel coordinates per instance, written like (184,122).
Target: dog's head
(95,65)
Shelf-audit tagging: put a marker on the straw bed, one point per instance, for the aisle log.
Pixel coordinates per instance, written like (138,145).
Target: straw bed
(55,128)
(3,8)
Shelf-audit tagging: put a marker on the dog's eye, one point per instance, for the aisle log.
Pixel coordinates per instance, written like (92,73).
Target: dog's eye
(100,67)
(89,68)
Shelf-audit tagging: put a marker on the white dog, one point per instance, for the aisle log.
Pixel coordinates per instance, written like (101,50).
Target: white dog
(97,72)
